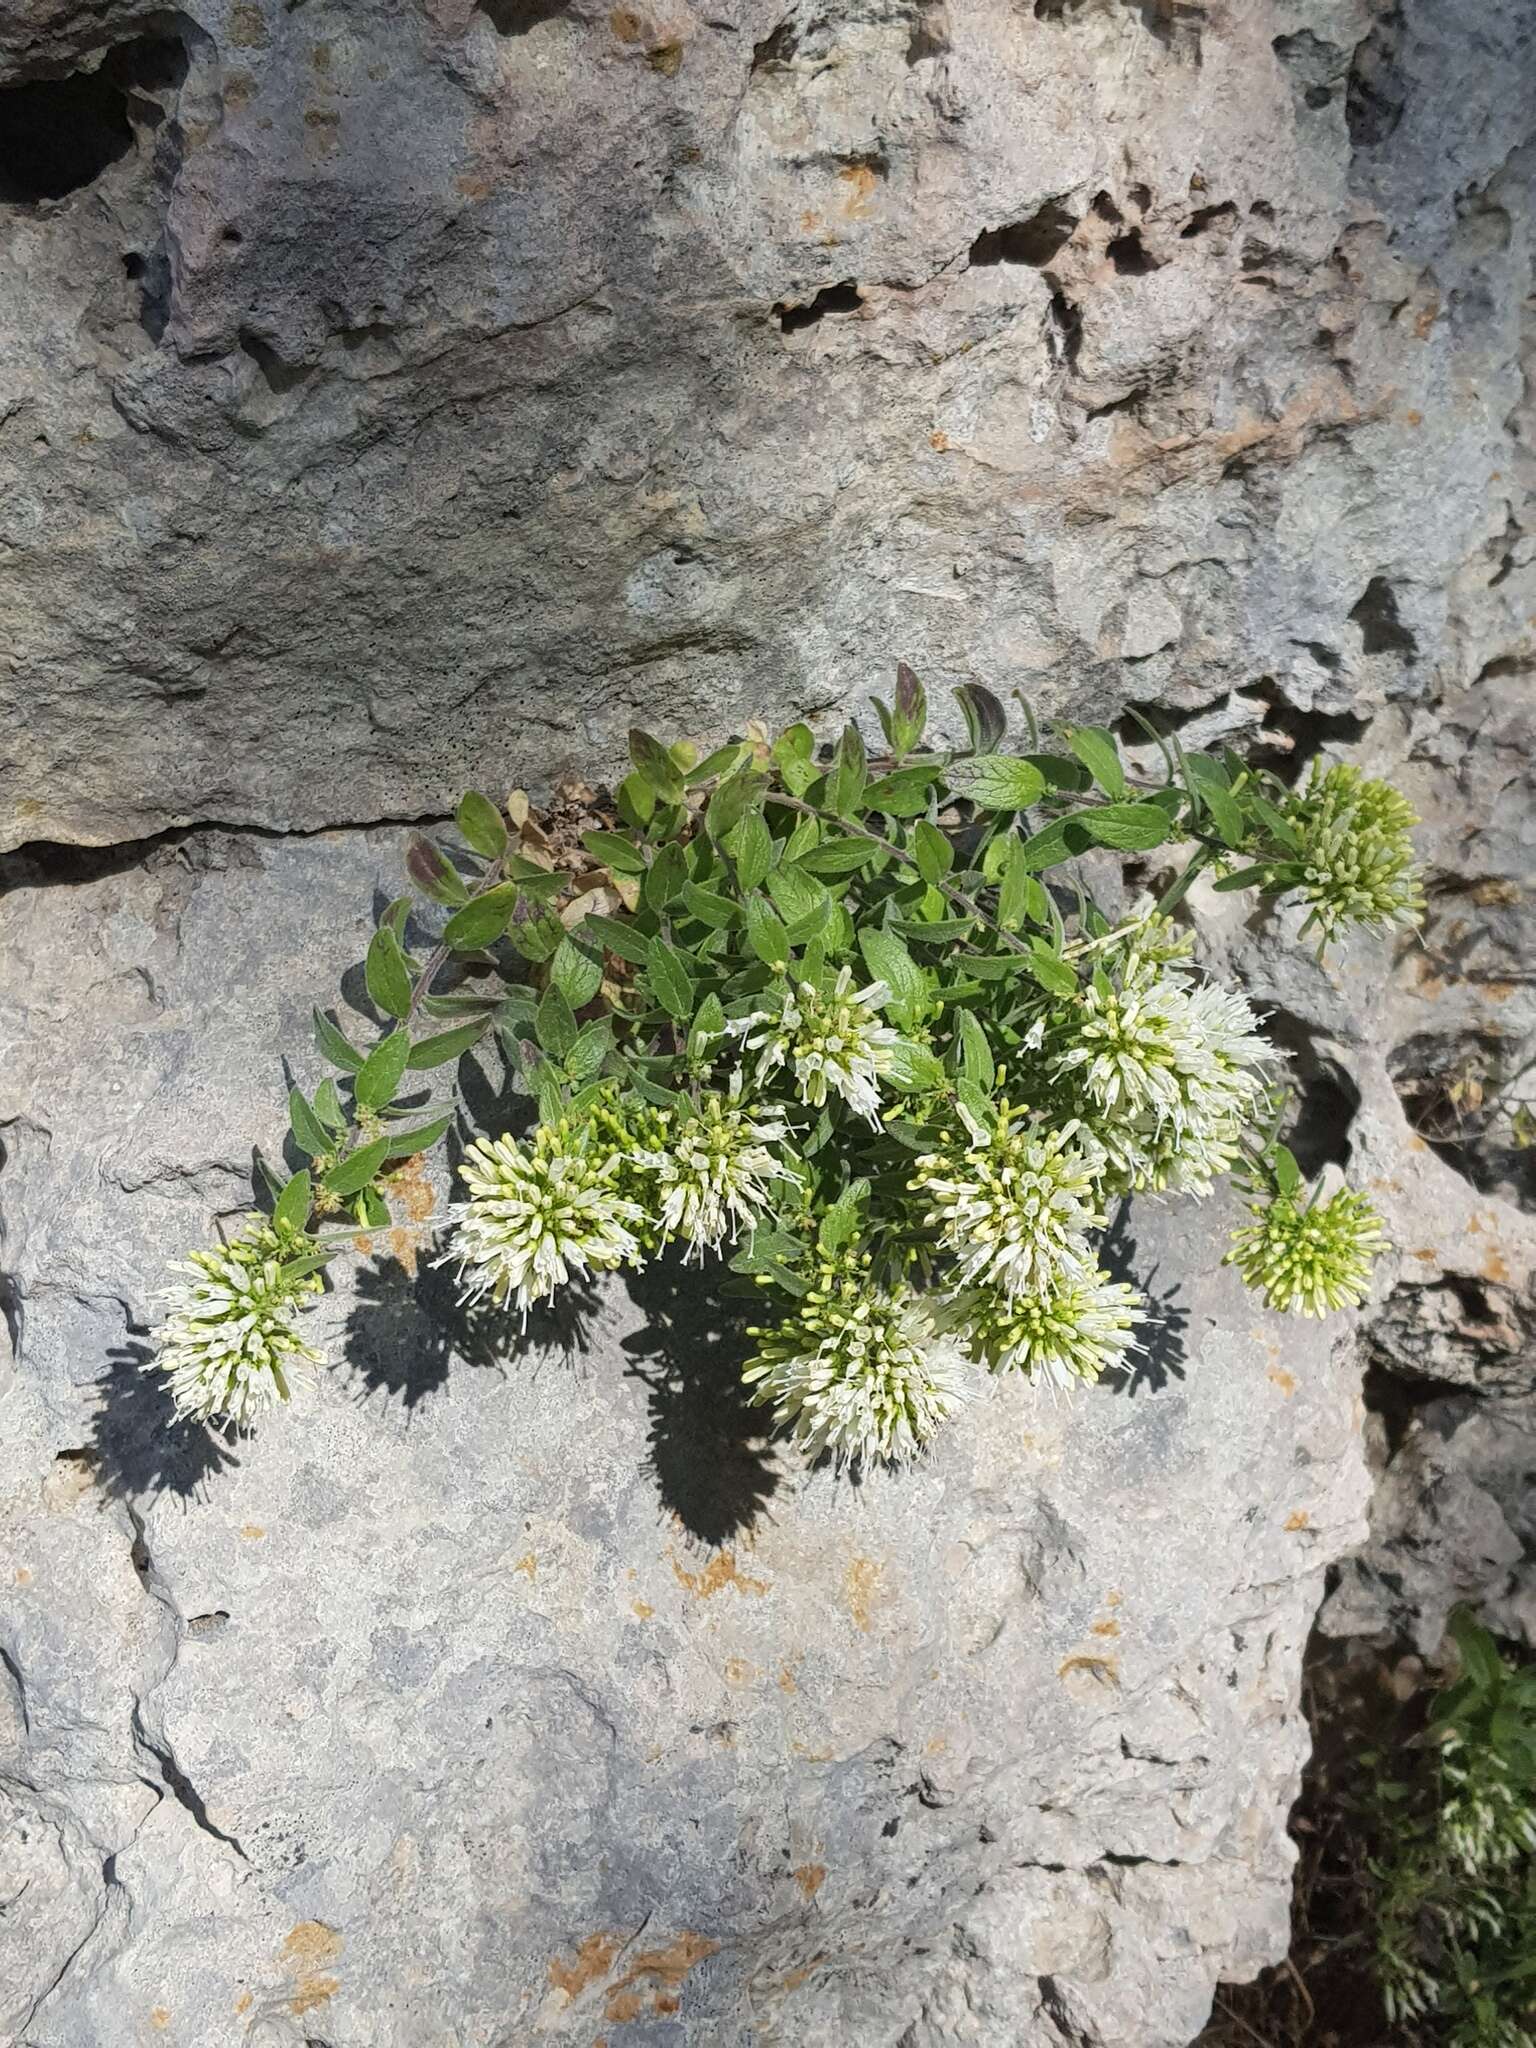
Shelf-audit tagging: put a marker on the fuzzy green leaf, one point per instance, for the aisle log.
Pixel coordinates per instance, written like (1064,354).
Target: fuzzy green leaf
(555,1024)
(419,1138)
(913,1068)
(481,825)
(335,1045)
(904,792)
(309,1134)
(355,1171)
(615,851)
(444,1046)
(668,873)
(1050,970)
(986,722)
(766,936)
(996,782)
(751,847)
(482,922)
(734,799)
(889,961)
(1094,746)
(293,1205)
(615,936)
(656,766)
(387,976)
(381,1073)
(593,1043)
(433,872)
(976,1061)
(1208,785)
(932,851)
(848,774)
(834,857)
(709,906)
(666,970)
(328,1107)
(576,974)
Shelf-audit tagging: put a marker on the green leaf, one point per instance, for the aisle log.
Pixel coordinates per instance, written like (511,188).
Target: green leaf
(538,938)
(433,872)
(913,1068)
(798,897)
(909,713)
(615,851)
(481,825)
(482,921)
(1287,1172)
(656,766)
(1245,878)
(734,799)
(932,852)
(594,1041)
(848,774)
(576,974)
(328,1107)
(751,847)
(1050,970)
(668,872)
(1130,828)
(615,936)
(335,1046)
(1280,827)
(1094,746)
(666,969)
(765,935)
(935,931)
(1018,891)
(1208,784)
(904,792)
(635,801)
(976,1105)
(889,961)
(294,1204)
(355,1171)
(722,762)
(1479,1654)
(996,782)
(709,906)
(840,1224)
(708,1025)
(380,1074)
(986,721)
(396,916)
(555,1024)
(309,1134)
(387,976)
(444,1046)
(976,1061)
(419,1138)
(834,857)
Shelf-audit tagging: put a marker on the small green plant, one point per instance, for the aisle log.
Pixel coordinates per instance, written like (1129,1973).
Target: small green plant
(825,1017)
(1455,1868)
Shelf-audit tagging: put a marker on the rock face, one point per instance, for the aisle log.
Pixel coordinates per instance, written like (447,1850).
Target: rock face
(392,396)
(397,397)
(495,1695)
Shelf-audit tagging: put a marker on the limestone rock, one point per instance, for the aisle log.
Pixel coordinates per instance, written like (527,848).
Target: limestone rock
(393,398)
(495,1695)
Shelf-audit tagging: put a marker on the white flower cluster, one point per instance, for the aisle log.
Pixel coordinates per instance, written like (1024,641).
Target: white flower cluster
(859,1371)
(1168,1070)
(228,1344)
(831,1043)
(712,1169)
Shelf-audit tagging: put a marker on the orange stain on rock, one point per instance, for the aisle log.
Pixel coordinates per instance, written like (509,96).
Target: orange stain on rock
(307,1951)
(1284,1380)
(1106,1628)
(1106,1668)
(719,1572)
(253,1532)
(160,2017)
(23,1576)
(243,2002)
(1494,1269)
(1300,1520)
(861,1590)
(738,1671)
(313,1992)
(793,1979)
(862,181)
(659,1970)
(787,1679)
(594,1959)
(810,1877)
(644,1609)
(626,25)
(528,1566)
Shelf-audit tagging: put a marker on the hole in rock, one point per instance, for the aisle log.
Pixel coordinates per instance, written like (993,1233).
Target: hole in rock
(57,135)
(777,47)
(518,17)
(1130,255)
(1377,92)
(1067,328)
(1461,1093)
(1208,217)
(833,298)
(1308,732)
(1324,1098)
(1033,241)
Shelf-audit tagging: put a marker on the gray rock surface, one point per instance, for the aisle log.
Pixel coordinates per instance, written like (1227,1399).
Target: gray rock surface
(493,1696)
(416,394)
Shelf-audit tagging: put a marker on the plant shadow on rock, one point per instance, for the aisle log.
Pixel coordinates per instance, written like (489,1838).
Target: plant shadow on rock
(405,1330)
(709,1446)
(139,1444)
(1164,1322)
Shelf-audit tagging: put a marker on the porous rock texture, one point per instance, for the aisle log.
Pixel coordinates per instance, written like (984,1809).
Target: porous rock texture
(398,396)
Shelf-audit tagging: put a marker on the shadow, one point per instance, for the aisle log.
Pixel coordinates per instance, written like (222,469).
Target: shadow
(709,1446)
(405,1330)
(1162,1350)
(137,1442)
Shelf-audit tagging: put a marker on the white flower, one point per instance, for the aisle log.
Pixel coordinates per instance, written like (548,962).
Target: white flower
(1170,1072)
(228,1344)
(535,1216)
(1016,1211)
(858,1372)
(712,1166)
(832,1042)
(1072,1330)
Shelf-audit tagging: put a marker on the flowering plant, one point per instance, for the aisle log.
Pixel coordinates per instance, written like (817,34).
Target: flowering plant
(822,1016)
